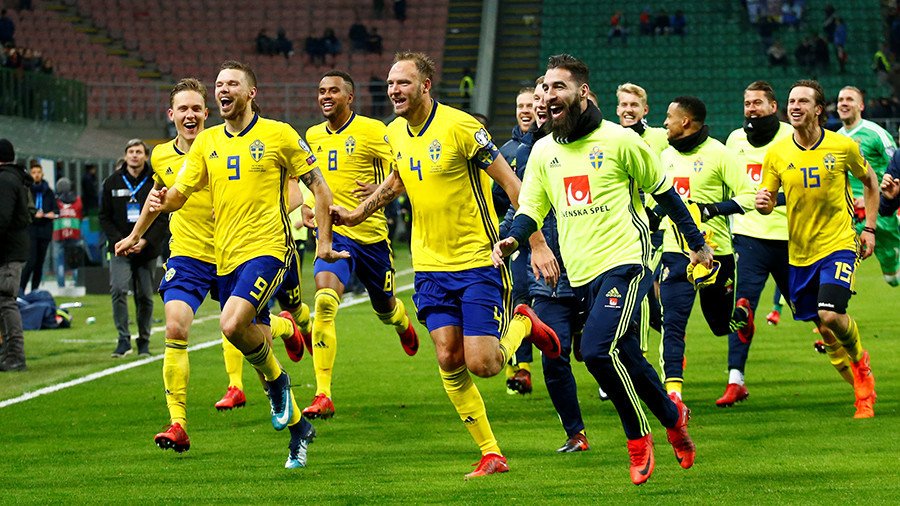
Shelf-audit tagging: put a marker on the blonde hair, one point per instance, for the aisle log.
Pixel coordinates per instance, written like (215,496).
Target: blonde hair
(634,90)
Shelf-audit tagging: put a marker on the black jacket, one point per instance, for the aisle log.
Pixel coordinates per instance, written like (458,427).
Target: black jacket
(114,200)
(15,213)
(42,228)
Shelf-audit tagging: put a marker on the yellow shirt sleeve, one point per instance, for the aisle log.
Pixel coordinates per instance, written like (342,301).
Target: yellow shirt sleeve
(856,164)
(771,179)
(296,153)
(193,174)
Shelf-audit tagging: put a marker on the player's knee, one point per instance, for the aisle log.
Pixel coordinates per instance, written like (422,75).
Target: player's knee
(327,303)
(830,319)
(483,367)
(231,327)
(176,330)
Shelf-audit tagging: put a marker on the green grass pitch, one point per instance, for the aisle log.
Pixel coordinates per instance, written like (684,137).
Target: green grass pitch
(396,438)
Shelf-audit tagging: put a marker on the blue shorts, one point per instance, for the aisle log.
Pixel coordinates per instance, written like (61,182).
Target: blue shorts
(372,263)
(289,295)
(475,299)
(188,280)
(826,284)
(254,281)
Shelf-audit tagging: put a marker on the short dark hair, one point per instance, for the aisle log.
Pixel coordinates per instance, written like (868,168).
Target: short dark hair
(818,96)
(187,84)
(695,107)
(35,163)
(764,87)
(424,64)
(576,67)
(343,75)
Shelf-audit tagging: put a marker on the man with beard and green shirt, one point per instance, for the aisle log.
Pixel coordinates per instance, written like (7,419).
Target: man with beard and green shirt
(877,148)
(705,174)
(760,241)
(590,172)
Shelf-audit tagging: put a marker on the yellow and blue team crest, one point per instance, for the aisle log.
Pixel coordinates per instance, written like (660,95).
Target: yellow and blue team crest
(434,150)
(829,162)
(257,149)
(170,273)
(350,145)
(596,157)
(698,165)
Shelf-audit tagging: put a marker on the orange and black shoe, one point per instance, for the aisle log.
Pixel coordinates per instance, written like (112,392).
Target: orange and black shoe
(409,340)
(745,333)
(640,451)
(863,387)
(576,443)
(520,382)
(233,398)
(541,334)
(293,344)
(321,407)
(734,393)
(489,464)
(173,437)
(678,437)
(773,317)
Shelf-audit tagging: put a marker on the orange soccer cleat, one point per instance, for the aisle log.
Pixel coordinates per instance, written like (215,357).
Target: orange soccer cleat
(294,344)
(678,437)
(745,333)
(173,437)
(520,382)
(734,393)
(409,340)
(321,407)
(863,387)
(233,398)
(541,334)
(640,451)
(773,317)
(489,464)
(576,443)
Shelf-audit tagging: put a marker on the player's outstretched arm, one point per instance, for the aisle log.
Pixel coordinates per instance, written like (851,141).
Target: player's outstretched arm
(316,184)
(871,192)
(165,200)
(134,242)
(675,209)
(387,191)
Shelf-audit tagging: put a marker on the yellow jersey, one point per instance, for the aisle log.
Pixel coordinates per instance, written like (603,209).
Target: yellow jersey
(358,151)
(247,175)
(454,225)
(817,193)
(192,225)
(752,224)
(657,138)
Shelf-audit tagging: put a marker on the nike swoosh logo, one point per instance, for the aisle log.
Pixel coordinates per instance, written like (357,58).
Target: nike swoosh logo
(283,419)
(679,459)
(646,468)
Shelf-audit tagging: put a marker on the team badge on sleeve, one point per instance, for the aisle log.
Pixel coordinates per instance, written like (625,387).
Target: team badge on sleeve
(303,145)
(482,137)
(257,150)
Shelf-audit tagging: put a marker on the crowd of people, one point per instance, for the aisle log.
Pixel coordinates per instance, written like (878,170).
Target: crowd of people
(19,58)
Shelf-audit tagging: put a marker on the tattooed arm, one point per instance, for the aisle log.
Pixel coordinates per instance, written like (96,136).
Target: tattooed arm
(390,189)
(316,184)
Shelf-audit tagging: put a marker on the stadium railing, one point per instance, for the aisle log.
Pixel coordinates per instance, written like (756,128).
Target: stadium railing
(42,97)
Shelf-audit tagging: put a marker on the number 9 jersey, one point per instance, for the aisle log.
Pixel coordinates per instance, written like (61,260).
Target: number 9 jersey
(817,193)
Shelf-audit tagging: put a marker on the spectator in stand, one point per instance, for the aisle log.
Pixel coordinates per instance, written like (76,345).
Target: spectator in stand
(617,28)
(41,228)
(332,44)
(359,36)
(14,217)
(283,45)
(830,23)
(662,24)
(400,10)
(375,43)
(264,44)
(67,231)
(679,23)
(466,86)
(840,41)
(766,28)
(31,60)
(315,49)
(756,9)
(13,58)
(790,14)
(777,55)
(822,53)
(881,65)
(7,29)
(47,66)
(646,26)
(89,198)
(805,55)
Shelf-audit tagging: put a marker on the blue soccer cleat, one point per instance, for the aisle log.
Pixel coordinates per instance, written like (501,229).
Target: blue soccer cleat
(302,434)
(280,400)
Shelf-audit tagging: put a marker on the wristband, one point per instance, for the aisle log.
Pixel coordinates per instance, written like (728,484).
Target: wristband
(869,230)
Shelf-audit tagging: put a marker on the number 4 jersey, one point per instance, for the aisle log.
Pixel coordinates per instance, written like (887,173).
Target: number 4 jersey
(817,193)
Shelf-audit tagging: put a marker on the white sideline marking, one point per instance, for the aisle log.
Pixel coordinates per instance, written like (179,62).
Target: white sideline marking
(137,363)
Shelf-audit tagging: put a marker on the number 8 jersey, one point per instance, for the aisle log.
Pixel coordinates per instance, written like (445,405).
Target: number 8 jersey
(817,193)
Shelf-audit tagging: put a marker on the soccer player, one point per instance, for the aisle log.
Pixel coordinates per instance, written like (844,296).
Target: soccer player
(824,251)
(447,160)
(632,110)
(760,242)
(590,171)
(877,147)
(190,269)
(358,154)
(247,163)
(706,175)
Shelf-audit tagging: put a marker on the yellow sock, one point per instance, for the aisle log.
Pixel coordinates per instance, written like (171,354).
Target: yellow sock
(176,372)
(674,386)
(234,364)
(524,366)
(519,328)
(510,370)
(281,327)
(398,317)
(468,403)
(325,338)
(851,341)
(295,413)
(263,359)
(301,316)
(840,360)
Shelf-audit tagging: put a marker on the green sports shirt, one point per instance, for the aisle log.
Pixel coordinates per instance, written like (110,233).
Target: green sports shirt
(708,174)
(593,185)
(877,148)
